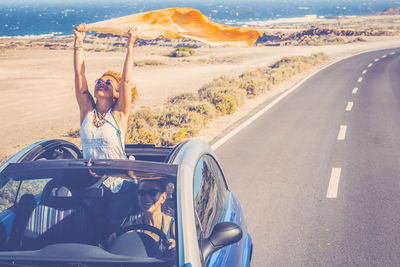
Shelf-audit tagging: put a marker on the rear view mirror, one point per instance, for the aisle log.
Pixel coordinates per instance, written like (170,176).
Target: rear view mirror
(222,235)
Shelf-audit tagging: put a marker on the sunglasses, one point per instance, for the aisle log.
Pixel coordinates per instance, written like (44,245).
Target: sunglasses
(152,192)
(100,81)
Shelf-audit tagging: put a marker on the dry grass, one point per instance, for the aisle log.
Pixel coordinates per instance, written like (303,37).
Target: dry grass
(184,115)
(143,63)
(74,133)
(182,52)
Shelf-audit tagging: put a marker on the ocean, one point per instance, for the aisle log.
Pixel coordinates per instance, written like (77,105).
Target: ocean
(54,17)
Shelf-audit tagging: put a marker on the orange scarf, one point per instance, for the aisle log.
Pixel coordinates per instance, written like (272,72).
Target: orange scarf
(177,23)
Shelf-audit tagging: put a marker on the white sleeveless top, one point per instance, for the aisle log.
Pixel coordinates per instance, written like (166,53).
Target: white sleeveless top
(103,143)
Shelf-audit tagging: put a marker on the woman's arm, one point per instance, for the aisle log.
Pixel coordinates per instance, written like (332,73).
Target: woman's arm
(123,104)
(84,98)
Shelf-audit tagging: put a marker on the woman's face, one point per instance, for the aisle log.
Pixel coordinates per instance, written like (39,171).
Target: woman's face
(106,87)
(151,197)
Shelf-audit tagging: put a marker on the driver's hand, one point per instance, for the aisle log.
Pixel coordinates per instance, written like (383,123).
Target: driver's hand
(173,243)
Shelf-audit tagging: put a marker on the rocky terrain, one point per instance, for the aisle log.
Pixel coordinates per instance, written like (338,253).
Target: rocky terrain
(324,32)
(390,11)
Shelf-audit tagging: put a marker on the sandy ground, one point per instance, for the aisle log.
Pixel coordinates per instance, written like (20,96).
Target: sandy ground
(37,96)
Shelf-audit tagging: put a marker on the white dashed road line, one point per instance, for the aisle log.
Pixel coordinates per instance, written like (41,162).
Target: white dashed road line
(342,132)
(334,183)
(355,91)
(349,106)
(392,53)
(376,59)
(384,56)
(370,65)
(360,79)
(364,71)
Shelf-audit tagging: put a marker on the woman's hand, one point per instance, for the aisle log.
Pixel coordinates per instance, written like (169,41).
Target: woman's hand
(80,32)
(132,35)
(173,243)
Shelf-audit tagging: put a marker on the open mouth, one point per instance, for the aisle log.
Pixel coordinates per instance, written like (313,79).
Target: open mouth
(102,88)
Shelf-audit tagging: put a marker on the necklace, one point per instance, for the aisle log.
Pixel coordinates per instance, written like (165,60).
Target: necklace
(98,120)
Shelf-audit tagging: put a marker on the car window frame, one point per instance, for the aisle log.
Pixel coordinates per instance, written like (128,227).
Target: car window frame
(207,158)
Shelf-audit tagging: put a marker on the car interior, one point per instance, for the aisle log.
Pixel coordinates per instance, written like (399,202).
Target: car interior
(60,214)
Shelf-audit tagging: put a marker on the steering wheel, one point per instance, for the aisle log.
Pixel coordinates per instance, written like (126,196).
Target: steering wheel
(135,227)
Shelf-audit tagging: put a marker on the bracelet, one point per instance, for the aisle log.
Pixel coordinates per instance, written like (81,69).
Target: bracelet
(78,46)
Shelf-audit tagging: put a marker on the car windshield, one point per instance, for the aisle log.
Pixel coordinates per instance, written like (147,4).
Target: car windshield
(89,211)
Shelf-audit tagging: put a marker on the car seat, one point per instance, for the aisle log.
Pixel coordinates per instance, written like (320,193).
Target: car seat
(59,218)
(22,212)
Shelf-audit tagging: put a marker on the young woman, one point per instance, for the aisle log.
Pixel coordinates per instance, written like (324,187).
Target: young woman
(151,196)
(103,121)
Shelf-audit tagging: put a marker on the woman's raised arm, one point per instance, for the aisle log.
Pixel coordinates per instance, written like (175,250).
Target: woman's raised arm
(84,98)
(123,104)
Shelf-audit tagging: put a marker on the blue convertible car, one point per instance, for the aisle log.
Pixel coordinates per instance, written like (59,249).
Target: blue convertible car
(53,209)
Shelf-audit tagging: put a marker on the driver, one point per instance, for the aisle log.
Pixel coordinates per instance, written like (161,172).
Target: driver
(152,195)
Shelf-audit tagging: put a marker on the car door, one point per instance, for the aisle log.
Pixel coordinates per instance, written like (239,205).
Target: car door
(11,191)
(211,198)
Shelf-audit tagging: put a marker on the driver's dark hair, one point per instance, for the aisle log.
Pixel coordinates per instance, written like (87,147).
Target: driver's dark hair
(162,183)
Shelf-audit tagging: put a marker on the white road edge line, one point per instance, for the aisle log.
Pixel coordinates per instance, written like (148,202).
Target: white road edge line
(270,105)
(342,132)
(355,90)
(370,65)
(334,183)
(349,106)
(364,71)
(360,79)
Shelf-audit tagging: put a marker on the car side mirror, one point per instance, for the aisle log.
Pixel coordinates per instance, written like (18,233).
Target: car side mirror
(222,235)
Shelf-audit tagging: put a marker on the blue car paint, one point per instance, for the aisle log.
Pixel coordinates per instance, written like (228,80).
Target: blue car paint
(7,218)
(237,254)
(247,251)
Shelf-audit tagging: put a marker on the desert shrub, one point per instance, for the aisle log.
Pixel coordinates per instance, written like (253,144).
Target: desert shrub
(167,138)
(147,115)
(142,136)
(182,52)
(141,128)
(185,97)
(180,135)
(74,133)
(173,116)
(195,124)
(177,116)
(184,115)
(173,136)
(142,63)
(224,93)
(255,87)
(224,81)
(225,100)
(225,103)
(204,108)
(138,64)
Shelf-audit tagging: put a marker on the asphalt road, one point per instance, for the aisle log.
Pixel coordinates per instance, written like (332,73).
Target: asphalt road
(318,174)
